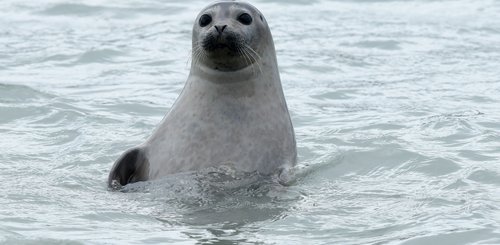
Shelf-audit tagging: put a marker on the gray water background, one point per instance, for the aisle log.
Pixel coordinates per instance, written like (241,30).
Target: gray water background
(396,108)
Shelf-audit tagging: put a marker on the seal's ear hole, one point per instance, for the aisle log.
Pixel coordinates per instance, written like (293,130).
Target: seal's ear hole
(261,18)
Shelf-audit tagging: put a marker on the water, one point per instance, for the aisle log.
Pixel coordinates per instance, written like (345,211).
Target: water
(395,106)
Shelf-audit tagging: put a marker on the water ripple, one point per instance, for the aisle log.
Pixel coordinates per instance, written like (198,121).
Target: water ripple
(394,103)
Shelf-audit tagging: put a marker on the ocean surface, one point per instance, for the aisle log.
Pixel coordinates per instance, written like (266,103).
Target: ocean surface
(395,104)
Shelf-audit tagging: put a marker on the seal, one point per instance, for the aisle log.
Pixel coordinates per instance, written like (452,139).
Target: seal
(232,110)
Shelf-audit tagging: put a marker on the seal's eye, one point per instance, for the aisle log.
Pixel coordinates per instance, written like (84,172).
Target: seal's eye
(205,20)
(245,19)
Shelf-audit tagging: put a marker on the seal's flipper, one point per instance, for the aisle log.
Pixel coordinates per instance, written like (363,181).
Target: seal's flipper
(132,166)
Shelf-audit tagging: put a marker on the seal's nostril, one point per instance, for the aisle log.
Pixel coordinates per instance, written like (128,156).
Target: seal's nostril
(219,28)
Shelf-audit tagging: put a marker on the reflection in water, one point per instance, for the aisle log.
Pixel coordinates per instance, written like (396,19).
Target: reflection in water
(220,202)
(394,104)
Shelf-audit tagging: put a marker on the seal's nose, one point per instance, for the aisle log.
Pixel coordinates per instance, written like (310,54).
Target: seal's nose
(220,28)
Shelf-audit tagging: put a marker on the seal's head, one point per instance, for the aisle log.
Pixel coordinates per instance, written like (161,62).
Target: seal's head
(229,36)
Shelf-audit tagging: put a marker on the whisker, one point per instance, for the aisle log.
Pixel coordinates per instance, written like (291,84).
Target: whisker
(190,59)
(198,54)
(253,51)
(255,56)
(251,58)
(248,59)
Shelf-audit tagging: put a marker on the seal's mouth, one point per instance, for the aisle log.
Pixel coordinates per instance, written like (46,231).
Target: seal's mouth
(228,43)
(221,46)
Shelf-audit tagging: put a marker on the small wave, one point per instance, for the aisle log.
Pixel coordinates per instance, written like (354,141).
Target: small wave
(378,44)
(83,10)
(72,9)
(99,56)
(39,241)
(13,93)
(215,196)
